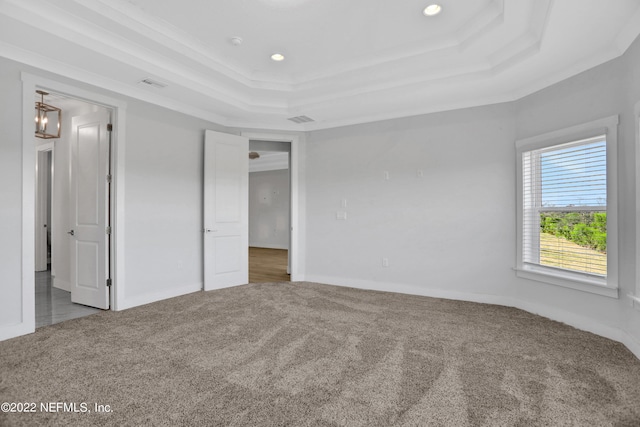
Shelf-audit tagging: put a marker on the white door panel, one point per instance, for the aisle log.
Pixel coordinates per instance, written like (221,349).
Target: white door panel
(89,250)
(226,210)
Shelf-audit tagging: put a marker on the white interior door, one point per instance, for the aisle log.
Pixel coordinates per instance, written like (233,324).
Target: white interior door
(89,169)
(226,210)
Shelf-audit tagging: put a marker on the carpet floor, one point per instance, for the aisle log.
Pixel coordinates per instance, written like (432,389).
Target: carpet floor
(305,354)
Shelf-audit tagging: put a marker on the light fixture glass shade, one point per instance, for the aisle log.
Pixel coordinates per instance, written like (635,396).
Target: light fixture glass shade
(48,119)
(432,10)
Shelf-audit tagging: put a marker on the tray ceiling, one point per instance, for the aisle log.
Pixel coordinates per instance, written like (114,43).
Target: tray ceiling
(346,62)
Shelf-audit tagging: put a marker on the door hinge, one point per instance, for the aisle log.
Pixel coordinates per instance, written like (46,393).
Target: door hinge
(109,230)
(109,283)
(109,127)
(109,179)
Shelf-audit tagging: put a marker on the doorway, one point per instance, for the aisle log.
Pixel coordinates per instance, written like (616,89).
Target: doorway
(269,211)
(44,186)
(226,210)
(72,245)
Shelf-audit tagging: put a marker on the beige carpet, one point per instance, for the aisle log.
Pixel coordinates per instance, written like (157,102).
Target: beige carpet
(303,354)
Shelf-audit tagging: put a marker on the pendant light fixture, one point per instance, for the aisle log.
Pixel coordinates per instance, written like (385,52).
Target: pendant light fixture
(48,118)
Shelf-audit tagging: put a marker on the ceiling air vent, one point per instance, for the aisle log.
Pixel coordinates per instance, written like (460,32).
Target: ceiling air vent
(153,83)
(301,119)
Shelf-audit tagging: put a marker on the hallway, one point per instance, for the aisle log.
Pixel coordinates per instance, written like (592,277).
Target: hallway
(268,265)
(54,305)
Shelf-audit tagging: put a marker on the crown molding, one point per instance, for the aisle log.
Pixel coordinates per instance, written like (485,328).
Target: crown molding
(494,57)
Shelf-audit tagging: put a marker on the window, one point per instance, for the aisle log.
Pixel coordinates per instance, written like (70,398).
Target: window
(566,208)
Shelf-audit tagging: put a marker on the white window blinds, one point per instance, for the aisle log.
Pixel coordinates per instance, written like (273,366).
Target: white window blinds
(565,206)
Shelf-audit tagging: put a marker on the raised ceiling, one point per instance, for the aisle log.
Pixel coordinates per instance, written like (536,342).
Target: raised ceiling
(346,61)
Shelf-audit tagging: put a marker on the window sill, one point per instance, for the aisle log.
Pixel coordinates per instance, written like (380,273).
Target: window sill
(568,280)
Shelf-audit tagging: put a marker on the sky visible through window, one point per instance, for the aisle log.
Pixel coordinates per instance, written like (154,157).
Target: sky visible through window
(575,176)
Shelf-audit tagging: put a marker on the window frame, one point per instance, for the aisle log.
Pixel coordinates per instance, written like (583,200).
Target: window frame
(569,279)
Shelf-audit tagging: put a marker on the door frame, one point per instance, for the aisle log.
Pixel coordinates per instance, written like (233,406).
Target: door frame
(30,83)
(297,238)
(41,200)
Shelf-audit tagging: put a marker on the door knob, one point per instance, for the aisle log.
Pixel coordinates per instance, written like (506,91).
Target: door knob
(71,232)
(208,230)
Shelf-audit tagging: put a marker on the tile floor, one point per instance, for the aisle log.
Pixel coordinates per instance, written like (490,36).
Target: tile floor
(54,305)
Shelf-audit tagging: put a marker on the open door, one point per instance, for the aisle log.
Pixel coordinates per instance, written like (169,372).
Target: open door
(226,210)
(90,146)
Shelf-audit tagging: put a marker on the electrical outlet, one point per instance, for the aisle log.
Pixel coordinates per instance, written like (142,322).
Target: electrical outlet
(386,175)
(420,173)
(385,262)
(342,215)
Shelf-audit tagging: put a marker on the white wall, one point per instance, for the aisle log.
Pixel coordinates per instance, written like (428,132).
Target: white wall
(448,230)
(10,198)
(444,219)
(631,89)
(269,209)
(597,93)
(451,232)
(163,196)
(164,173)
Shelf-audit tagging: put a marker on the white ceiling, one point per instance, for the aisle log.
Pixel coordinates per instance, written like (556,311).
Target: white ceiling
(347,61)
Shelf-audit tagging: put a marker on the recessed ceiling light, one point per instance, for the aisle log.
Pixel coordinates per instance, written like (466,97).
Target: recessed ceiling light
(277,57)
(432,10)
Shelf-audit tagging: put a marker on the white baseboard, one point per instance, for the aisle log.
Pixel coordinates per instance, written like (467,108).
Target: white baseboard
(411,290)
(130,302)
(61,284)
(577,321)
(16,330)
(633,344)
(571,319)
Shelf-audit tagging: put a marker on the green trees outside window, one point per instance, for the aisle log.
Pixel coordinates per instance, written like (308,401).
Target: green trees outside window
(587,229)
(575,240)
